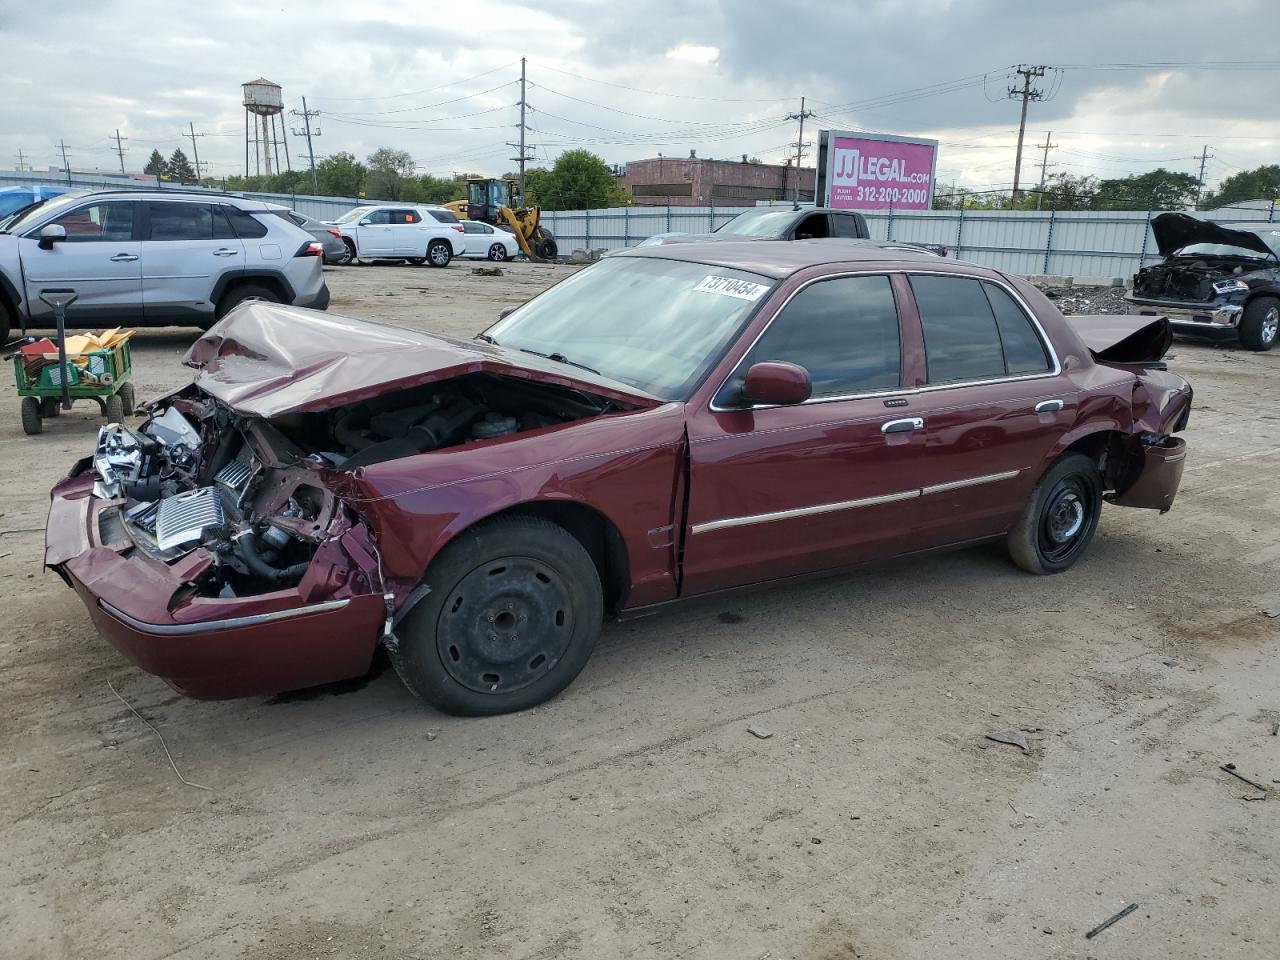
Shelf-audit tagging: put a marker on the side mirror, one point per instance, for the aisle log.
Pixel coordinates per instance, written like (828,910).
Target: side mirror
(365,223)
(50,234)
(774,382)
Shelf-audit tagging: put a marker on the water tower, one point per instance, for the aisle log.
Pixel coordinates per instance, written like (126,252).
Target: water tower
(263,102)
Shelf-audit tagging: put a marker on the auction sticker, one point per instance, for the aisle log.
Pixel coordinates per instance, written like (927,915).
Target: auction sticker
(729,287)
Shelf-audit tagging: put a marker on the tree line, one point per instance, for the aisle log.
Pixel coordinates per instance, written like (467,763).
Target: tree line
(1158,189)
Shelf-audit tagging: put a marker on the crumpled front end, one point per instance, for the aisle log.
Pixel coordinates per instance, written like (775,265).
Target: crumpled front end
(211,553)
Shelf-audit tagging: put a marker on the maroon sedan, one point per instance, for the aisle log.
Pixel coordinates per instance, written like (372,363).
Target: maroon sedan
(667,423)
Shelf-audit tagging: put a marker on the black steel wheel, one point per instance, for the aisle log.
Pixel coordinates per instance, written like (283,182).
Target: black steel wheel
(1060,517)
(514,613)
(31,422)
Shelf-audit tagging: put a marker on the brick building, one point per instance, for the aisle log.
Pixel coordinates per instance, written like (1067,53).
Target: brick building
(692,182)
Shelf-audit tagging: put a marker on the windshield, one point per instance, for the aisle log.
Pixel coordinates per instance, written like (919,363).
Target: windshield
(758,223)
(24,218)
(353,214)
(1269,234)
(655,324)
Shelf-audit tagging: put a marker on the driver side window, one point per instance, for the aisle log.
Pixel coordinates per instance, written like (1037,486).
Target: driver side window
(844,332)
(379,217)
(99,223)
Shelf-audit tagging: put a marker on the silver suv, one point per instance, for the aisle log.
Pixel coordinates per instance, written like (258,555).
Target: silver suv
(153,258)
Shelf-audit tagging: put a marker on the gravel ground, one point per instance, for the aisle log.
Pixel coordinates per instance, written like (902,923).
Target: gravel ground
(636,816)
(1087,299)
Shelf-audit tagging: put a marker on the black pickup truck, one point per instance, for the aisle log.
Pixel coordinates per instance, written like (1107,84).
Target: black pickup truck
(1216,282)
(789,223)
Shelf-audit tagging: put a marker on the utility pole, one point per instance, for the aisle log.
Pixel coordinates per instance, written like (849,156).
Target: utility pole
(799,145)
(62,145)
(120,148)
(1027,93)
(1204,158)
(1044,164)
(22,161)
(195,151)
(522,147)
(306,130)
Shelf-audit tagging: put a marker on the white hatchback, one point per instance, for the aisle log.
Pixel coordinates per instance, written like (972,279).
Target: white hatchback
(485,241)
(415,233)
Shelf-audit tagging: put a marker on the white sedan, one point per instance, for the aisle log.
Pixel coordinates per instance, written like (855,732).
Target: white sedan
(487,242)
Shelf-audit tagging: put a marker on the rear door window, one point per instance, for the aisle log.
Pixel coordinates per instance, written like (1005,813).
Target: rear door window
(846,225)
(245,225)
(405,216)
(443,216)
(843,331)
(171,220)
(964,321)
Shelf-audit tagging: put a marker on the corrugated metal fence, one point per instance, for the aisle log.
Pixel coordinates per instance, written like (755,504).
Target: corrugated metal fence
(1072,243)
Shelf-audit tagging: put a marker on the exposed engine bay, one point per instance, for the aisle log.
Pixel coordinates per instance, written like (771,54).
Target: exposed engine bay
(251,492)
(1191,278)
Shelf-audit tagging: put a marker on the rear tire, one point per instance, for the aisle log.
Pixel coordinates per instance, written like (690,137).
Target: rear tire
(1060,517)
(127,398)
(439,253)
(31,422)
(114,408)
(50,407)
(233,298)
(1260,324)
(498,252)
(513,617)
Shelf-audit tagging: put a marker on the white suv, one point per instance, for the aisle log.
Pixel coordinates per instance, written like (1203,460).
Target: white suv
(153,258)
(416,233)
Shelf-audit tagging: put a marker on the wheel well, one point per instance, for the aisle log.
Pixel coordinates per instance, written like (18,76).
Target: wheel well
(1107,449)
(598,536)
(271,283)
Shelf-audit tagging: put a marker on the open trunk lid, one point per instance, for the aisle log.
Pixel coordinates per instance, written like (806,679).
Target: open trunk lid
(268,360)
(1124,338)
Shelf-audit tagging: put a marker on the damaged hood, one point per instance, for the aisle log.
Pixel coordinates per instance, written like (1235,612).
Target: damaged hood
(1124,338)
(267,360)
(1173,231)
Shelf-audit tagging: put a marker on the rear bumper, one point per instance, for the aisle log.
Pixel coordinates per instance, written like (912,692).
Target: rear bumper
(1212,320)
(316,301)
(209,648)
(1158,475)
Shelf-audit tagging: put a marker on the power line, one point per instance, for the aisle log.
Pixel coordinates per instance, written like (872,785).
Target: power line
(415,93)
(523,155)
(659,93)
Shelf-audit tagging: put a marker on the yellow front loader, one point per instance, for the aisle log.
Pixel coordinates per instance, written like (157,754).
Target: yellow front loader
(491,201)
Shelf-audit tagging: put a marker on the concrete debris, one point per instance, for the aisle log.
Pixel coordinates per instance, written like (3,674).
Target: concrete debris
(760,733)
(1014,738)
(1079,299)
(487,271)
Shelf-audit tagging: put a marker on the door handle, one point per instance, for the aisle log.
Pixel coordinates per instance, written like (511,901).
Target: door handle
(1048,406)
(225,252)
(903,426)
(124,258)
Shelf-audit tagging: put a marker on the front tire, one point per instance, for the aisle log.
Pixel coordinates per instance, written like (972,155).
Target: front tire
(498,252)
(439,253)
(1260,324)
(513,616)
(350,255)
(1060,517)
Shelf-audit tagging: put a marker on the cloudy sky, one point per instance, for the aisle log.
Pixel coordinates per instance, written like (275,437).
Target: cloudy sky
(632,80)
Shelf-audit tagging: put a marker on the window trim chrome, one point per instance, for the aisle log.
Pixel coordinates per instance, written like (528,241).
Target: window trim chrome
(901,391)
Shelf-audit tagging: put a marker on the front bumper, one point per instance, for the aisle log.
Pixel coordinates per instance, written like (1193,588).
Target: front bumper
(1213,320)
(205,647)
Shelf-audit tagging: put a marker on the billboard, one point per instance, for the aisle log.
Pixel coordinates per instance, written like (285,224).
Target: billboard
(875,171)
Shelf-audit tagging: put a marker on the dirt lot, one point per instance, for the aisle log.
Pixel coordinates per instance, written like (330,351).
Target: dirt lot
(635,816)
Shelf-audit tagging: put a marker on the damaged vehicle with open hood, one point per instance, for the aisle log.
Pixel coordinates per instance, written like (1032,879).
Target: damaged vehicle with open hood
(1217,281)
(667,423)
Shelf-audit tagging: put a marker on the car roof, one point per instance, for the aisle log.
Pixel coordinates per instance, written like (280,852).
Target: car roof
(780,260)
(209,196)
